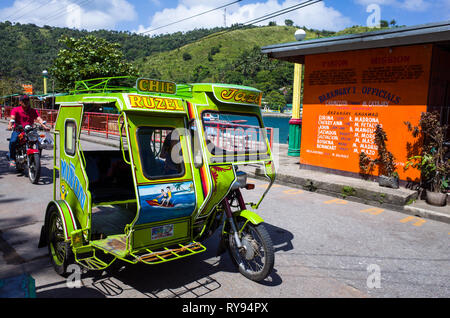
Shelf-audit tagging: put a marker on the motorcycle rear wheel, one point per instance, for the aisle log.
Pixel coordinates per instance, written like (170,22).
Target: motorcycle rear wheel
(255,260)
(34,168)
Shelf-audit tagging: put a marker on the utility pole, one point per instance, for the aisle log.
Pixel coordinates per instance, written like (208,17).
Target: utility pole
(295,124)
(225,17)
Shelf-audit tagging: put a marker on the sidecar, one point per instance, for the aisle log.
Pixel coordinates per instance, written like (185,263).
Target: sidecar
(155,197)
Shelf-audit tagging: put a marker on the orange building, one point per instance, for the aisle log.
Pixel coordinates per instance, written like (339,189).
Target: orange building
(354,82)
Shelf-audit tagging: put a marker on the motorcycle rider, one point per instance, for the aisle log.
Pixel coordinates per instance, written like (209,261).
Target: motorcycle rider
(22,115)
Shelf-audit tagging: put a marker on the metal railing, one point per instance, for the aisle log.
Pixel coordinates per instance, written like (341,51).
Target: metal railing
(227,136)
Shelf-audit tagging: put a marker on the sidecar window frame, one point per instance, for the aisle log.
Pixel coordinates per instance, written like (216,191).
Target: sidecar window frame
(218,152)
(145,152)
(70,147)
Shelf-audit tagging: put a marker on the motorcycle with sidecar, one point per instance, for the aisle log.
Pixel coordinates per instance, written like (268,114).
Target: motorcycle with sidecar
(173,181)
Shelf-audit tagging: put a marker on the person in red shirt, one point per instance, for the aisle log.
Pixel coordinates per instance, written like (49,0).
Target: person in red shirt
(22,115)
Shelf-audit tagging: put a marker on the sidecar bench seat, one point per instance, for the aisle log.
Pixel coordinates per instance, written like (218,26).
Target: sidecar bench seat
(110,177)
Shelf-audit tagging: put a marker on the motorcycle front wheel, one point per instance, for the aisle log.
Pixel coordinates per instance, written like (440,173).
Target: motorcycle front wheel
(256,258)
(34,168)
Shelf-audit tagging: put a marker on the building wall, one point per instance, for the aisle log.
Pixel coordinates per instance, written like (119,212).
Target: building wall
(439,93)
(346,94)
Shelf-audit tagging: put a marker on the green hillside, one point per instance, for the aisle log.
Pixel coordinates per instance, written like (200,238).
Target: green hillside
(212,54)
(227,55)
(27,49)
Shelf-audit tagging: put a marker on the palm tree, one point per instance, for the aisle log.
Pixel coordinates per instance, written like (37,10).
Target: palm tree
(178,186)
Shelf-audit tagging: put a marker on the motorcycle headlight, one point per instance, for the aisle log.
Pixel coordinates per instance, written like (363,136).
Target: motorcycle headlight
(241,180)
(33,136)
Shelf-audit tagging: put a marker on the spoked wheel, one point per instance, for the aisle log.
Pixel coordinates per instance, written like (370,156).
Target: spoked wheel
(59,250)
(255,259)
(34,168)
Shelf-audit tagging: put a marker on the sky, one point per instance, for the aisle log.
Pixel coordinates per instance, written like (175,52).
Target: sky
(152,17)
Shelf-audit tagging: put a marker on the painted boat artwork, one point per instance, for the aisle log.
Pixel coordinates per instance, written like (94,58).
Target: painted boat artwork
(166,201)
(160,203)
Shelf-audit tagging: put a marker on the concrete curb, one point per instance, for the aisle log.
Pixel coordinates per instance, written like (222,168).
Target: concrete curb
(396,200)
(427,214)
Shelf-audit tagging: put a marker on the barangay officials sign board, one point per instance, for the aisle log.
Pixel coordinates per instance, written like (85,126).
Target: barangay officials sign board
(346,94)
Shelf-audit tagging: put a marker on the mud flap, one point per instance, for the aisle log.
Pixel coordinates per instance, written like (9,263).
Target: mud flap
(43,238)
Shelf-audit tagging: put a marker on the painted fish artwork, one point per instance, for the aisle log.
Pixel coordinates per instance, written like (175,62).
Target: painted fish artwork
(160,202)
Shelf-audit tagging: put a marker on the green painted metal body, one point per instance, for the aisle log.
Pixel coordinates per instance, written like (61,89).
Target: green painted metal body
(205,180)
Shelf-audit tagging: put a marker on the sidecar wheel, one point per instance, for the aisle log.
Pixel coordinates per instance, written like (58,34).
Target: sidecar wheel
(34,169)
(256,259)
(59,250)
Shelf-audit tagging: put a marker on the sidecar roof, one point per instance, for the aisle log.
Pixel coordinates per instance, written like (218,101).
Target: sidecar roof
(148,95)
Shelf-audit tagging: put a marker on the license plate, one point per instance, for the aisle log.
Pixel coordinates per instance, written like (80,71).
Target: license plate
(162,231)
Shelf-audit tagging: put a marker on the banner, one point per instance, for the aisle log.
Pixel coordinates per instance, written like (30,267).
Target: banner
(346,94)
(27,89)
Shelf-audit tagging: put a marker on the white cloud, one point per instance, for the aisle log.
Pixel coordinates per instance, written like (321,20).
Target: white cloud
(318,16)
(96,14)
(410,5)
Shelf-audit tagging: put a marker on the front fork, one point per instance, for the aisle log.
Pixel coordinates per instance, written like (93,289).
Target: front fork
(229,214)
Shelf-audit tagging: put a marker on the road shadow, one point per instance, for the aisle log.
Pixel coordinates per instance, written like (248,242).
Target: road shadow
(15,238)
(66,292)
(10,200)
(46,176)
(4,164)
(190,277)
(281,238)
(46,173)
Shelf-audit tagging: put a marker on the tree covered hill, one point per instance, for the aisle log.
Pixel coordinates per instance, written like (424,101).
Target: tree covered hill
(228,55)
(26,49)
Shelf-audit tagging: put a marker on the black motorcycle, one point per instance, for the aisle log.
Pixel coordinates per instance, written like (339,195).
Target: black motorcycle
(28,151)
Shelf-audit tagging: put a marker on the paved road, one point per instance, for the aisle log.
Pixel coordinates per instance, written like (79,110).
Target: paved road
(325,247)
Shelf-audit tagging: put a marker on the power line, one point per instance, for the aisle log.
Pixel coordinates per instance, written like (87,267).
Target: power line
(282,11)
(56,14)
(22,8)
(194,16)
(42,5)
(64,11)
(268,16)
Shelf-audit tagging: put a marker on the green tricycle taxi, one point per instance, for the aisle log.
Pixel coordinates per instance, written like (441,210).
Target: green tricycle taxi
(173,181)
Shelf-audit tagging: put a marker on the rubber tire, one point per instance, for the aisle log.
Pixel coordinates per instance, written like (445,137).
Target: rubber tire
(269,253)
(36,160)
(55,236)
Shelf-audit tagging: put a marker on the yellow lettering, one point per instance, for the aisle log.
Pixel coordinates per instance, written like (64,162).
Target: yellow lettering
(230,95)
(252,98)
(136,101)
(240,97)
(170,104)
(178,106)
(160,103)
(148,102)
(171,88)
(153,86)
(143,85)
(148,85)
